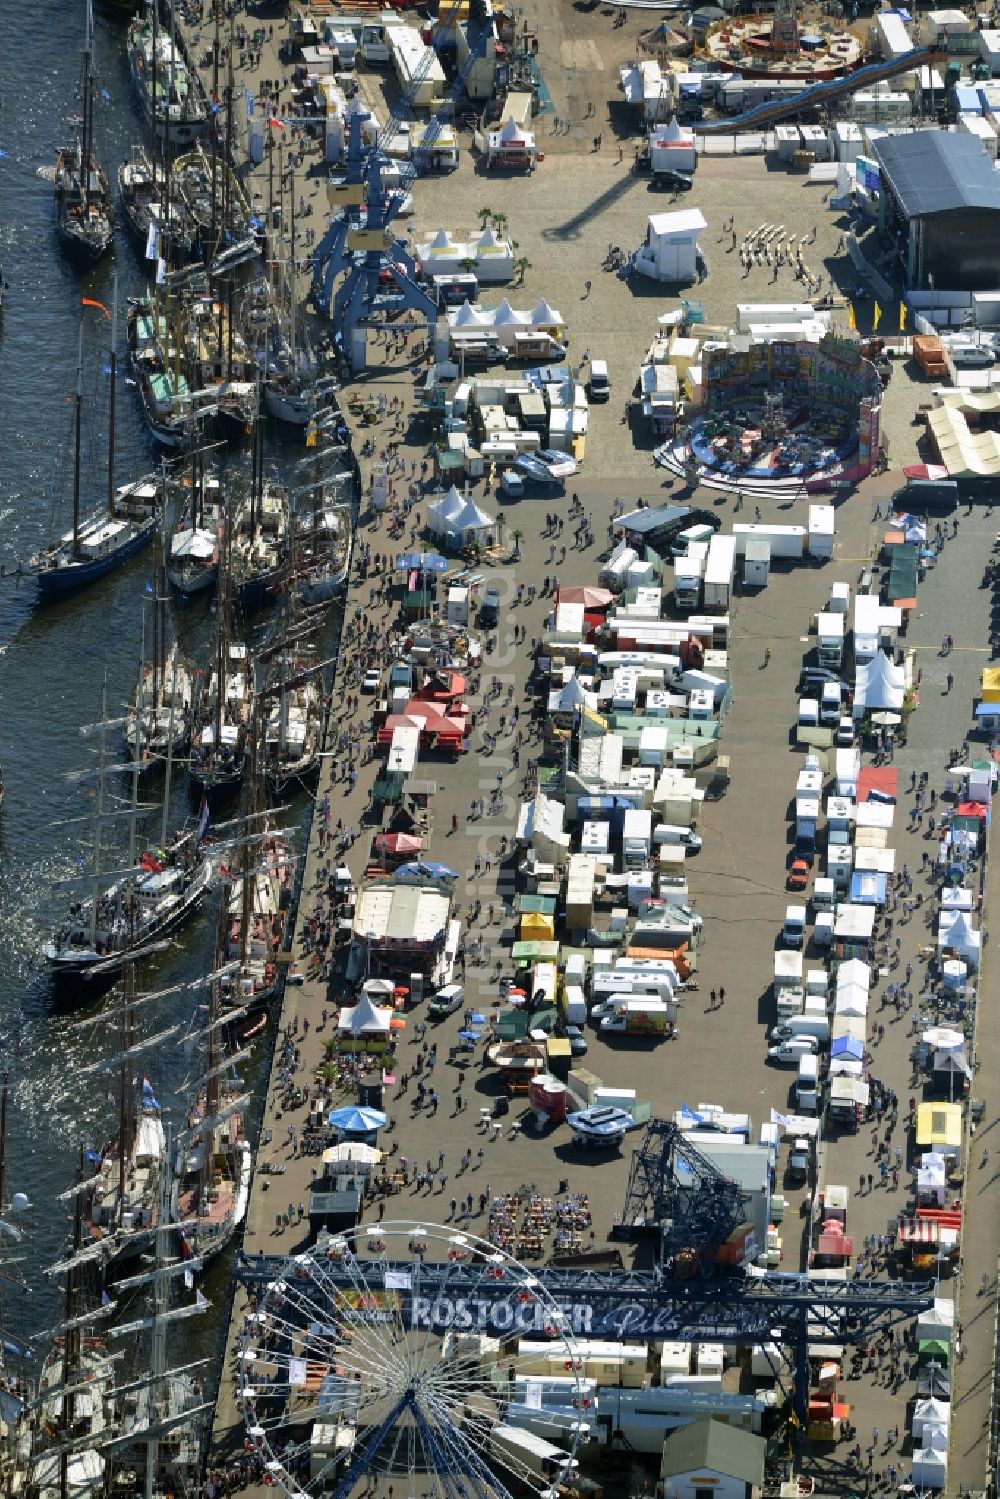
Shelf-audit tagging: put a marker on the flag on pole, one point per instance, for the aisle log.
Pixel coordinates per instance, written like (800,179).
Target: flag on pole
(148,1096)
(89,302)
(852,321)
(153,241)
(878,317)
(204,821)
(276,123)
(902,317)
(189,1278)
(161,272)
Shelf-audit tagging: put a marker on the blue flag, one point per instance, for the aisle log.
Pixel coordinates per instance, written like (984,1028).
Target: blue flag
(92,1157)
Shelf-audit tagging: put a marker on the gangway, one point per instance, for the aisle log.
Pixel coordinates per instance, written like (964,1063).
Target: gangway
(819,94)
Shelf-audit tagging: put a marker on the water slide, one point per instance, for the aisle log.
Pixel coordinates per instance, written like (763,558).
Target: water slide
(818,94)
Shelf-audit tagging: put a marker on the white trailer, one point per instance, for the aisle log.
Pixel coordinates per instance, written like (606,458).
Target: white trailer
(523,1452)
(718,585)
(788,543)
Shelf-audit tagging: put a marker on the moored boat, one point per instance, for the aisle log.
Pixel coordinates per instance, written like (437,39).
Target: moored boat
(155,225)
(85,214)
(171,95)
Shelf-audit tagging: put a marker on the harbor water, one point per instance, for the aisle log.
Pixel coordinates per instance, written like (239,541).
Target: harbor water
(56,662)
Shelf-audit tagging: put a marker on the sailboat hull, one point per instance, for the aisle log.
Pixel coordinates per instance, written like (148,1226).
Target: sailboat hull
(60,581)
(70,966)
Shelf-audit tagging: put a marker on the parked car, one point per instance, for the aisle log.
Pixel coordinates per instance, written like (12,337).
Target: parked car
(844,737)
(577,1041)
(372,680)
(813,678)
(671,182)
(797,1168)
(787,1053)
(972,356)
(798,874)
(489,609)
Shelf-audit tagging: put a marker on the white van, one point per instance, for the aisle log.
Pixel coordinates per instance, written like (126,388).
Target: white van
(676,833)
(794,930)
(599,384)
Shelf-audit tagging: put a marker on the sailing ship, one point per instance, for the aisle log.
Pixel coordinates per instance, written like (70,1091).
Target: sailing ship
(292,698)
(122,1199)
(171,95)
(156,225)
(130,909)
(85,215)
(162,708)
(214,198)
(170,409)
(217,362)
(103,541)
(259,898)
(260,532)
(75,1402)
(196,540)
(220,736)
(214,1160)
(322,525)
(15,1389)
(286,361)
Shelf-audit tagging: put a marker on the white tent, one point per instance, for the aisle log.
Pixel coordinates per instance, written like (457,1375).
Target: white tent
(956,931)
(879,686)
(851,999)
(854,972)
(936,1413)
(468,316)
(364,1019)
(932,1178)
(544,316)
(505,313)
(442,240)
(930,1468)
(937,1321)
(459,518)
(572,695)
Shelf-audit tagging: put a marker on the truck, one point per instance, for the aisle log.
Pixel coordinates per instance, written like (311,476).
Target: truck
(688,572)
(718,585)
(806,822)
(636,1017)
(830,640)
(518,1449)
(637,837)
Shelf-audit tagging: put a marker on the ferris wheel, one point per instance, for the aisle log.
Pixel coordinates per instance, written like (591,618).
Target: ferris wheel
(349,1378)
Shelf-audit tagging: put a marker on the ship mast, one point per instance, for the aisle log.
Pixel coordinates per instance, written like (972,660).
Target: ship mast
(112,413)
(77,443)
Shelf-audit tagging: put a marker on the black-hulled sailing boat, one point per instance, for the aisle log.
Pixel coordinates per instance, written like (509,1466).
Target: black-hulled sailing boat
(99,543)
(85,214)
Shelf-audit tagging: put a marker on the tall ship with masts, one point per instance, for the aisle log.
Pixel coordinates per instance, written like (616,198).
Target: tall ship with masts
(221,734)
(76,1396)
(171,96)
(322,522)
(214,1160)
(158,726)
(128,910)
(260,530)
(104,540)
(85,214)
(122,1200)
(159,227)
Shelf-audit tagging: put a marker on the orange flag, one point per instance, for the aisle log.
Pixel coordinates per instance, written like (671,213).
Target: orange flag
(89,302)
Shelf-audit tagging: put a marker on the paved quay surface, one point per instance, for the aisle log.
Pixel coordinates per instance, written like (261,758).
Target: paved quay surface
(564,217)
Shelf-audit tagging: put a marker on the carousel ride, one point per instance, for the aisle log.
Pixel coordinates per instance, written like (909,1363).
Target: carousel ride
(778,47)
(769,441)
